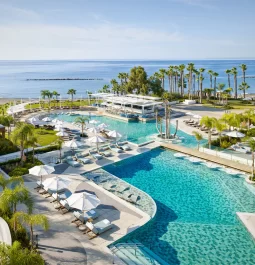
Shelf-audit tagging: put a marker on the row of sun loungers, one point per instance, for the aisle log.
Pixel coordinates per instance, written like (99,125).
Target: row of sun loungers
(203,128)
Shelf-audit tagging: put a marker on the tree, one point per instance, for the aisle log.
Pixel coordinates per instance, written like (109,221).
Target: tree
(167,115)
(244,86)
(59,142)
(81,120)
(71,92)
(181,70)
(105,89)
(234,73)
(215,75)
(115,86)
(220,127)
(252,146)
(32,220)
(220,89)
(208,92)
(7,121)
(163,72)
(244,68)
(209,123)
(201,79)
(170,73)
(4,182)
(199,137)
(228,72)
(190,68)
(248,117)
(15,254)
(210,72)
(44,94)
(32,141)
(55,94)
(21,134)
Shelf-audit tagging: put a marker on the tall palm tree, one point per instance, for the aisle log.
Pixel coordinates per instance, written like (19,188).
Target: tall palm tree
(105,89)
(215,75)
(7,121)
(210,72)
(208,92)
(32,141)
(244,86)
(55,94)
(163,73)
(71,92)
(220,127)
(4,182)
(197,74)
(59,143)
(190,68)
(234,73)
(228,72)
(167,115)
(199,138)
(209,123)
(181,70)
(220,89)
(81,120)
(44,94)
(16,254)
(20,135)
(227,92)
(170,73)
(249,116)
(244,68)
(115,86)
(201,79)
(32,220)
(252,146)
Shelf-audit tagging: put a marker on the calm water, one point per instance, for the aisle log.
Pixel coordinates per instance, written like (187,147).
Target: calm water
(196,219)
(137,132)
(13,74)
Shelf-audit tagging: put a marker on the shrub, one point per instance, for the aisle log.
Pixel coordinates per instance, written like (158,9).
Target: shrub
(18,171)
(225,142)
(251,132)
(7,146)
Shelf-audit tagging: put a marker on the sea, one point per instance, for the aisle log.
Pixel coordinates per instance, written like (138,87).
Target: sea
(15,75)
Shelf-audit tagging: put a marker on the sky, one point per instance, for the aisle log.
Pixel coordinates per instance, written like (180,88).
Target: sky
(127,29)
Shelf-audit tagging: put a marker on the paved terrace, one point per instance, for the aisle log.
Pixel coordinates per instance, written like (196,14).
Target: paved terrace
(208,157)
(65,244)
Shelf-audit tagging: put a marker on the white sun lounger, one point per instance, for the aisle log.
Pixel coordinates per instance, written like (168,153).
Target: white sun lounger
(98,228)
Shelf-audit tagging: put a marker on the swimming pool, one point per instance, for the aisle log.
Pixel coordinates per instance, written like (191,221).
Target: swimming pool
(196,220)
(136,132)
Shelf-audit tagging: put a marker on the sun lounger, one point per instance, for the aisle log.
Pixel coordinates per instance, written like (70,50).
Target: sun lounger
(98,228)
(50,193)
(121,188)
(130,197)
(115,149)
(82,159)
(109,186)
(123,146)
(95,155)
(61,196)
(81,218)
(72,163)
(63,206)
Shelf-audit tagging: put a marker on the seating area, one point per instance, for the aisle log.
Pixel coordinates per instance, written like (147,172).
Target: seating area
(196,124)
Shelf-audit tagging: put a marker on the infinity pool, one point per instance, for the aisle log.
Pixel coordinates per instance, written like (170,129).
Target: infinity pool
(136,132)
(196,219)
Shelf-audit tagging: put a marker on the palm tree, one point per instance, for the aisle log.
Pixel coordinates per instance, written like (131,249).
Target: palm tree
(220,89)
(59,143)
(201,79)
(249,116)
(199,137)
(208,92)
(181,70)
(215,79)
(4,182)
(167,115)
(234,73)
(105,89)
(190,68)
(16,254)
(7,121)
(220,127)
(244,68)
(81,120)
(244,86)
(32,141)
(163,72)
(55,94)
(209,123)
(71,92)
(32,220)
(44,94)
(210,72)
(21,134)
(115,86)
(170,73)
(227,93)
(228,72)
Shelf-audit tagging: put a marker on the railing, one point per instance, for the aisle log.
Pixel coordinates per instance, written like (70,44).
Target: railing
(232,157)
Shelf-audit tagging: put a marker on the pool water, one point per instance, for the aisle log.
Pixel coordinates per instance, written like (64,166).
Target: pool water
(196,220)
(136,132)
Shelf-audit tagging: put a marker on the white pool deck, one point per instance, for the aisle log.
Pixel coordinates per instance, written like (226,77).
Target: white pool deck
(248,219)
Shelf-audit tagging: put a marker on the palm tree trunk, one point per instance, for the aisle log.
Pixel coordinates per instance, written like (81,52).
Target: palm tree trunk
(182,88)
(201,89)
(209,138)
(235,84)
(229,80)
(211,80)
(31,235)
(244,93)
(169,83)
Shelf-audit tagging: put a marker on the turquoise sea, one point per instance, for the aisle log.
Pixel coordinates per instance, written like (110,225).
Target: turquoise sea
(196,220)
(13,74)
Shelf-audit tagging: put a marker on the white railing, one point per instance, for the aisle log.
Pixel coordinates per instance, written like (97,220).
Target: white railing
(232,157)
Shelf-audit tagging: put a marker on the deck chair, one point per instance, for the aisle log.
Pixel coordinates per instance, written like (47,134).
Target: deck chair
(81,218)
(121,188)
(98,228)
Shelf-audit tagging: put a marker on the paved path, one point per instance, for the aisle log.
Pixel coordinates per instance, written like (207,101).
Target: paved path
(218,160)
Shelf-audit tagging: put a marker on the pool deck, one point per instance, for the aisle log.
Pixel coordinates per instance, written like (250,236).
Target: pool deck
(248,219)
(64,243)
(218,160)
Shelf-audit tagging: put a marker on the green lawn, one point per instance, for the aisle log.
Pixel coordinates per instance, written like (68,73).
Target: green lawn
(233,103)
(45,137)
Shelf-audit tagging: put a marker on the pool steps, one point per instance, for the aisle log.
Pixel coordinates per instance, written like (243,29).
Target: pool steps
(135,253)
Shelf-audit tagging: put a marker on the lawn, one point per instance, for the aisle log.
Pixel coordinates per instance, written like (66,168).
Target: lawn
(45,137)
(233,103)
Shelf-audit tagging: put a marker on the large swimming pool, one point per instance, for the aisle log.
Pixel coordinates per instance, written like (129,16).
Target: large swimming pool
(137,132)
(196,220)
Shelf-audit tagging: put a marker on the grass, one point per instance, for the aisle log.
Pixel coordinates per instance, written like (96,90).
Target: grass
(233,103)
(45,137)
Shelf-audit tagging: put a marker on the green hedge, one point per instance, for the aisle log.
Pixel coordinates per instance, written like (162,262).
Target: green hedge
(7,146)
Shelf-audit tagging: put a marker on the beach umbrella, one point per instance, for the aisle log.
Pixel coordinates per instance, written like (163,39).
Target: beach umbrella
(93,122)
(102,126)
(62,133)
(73,144)
(33,119)
(83,201)
(235,134)
(93,130)
(41,170)
(47,119)
(114,134)
(97,139)
(56,183)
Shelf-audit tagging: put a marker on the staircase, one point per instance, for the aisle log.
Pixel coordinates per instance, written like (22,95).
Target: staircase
(135,253)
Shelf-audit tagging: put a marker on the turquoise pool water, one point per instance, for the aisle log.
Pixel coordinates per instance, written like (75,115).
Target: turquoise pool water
(137,132)
(196,219)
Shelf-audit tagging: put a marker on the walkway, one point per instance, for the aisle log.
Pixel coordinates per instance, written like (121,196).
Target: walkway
(218,160)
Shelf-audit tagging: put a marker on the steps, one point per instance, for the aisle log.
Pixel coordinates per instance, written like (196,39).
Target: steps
(134,253)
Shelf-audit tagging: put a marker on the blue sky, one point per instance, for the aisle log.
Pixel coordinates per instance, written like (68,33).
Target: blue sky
(127,29)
